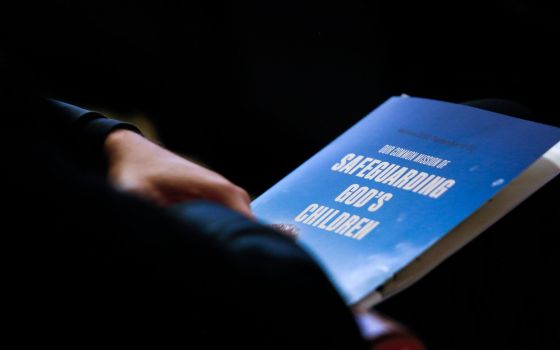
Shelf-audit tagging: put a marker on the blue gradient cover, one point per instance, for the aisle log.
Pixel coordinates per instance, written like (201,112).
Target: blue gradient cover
(396,182)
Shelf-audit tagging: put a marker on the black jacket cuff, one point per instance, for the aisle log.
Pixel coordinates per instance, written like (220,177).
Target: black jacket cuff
(96,130)
(88,128)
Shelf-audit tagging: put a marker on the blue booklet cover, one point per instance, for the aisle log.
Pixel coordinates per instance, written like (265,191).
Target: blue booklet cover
(395,183)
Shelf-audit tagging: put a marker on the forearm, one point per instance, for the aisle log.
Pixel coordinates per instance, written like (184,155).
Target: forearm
(87,127)
(80,133)
(274,285)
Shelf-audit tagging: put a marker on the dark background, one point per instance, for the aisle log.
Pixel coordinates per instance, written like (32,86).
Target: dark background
(254,88)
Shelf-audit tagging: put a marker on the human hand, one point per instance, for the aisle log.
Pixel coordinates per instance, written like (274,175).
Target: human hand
(138,166)
(382,333)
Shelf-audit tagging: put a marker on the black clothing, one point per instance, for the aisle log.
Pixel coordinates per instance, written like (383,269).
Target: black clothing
(302,72)
(88,264)
(91,127)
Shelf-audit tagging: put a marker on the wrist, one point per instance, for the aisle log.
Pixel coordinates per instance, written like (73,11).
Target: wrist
(118,140)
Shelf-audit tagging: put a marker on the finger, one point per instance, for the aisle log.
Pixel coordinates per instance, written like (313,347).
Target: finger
(288,230)
(237,199)
(382,333)
(241,206)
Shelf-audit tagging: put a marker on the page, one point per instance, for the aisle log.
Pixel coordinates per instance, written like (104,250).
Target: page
(397,182)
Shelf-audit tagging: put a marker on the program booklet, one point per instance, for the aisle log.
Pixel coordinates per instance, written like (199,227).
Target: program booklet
(406,187)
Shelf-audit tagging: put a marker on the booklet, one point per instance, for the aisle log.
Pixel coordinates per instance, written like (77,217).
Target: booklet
(405,188)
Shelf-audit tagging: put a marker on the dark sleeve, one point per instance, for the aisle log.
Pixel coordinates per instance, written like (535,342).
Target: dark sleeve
(276,288)
(49,120)
(86,127)
(111,266)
